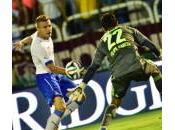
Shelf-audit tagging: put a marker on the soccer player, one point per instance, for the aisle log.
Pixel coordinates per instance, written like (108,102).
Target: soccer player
(51,79)
(120,45)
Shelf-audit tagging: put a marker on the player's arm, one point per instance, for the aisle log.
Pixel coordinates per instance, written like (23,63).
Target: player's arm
(45,58)
(20,44)
(144,41)
(56,69)
(96,62)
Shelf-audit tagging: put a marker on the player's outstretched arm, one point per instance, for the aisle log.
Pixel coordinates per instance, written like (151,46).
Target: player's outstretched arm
(20,44)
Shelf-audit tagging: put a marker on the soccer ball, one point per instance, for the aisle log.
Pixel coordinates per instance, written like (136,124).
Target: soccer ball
(74,70)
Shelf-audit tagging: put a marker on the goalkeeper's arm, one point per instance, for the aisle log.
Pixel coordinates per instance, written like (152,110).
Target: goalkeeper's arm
(144,41)
(88,75)
(98,58)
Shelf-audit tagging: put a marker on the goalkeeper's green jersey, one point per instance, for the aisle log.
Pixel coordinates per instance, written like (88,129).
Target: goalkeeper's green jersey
(120,47)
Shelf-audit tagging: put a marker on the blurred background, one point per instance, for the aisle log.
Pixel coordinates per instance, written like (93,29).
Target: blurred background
(76,33)
(77,29)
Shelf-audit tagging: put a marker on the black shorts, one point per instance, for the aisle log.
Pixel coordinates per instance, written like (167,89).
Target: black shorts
(121,84)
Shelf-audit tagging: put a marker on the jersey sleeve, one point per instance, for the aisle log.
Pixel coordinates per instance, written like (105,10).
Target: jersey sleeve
(96,62)
(144,41)
(33,35)
(99,54)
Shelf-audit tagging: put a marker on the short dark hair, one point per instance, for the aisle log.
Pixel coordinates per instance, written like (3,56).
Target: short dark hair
(108,21)
(42,18)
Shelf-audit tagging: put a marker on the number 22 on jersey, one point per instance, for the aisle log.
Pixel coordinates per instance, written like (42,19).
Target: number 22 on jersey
(113,39)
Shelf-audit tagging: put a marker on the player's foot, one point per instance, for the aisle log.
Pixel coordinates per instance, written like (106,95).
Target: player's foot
(103,128)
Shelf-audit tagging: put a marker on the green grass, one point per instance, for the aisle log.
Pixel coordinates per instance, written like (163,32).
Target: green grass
(144,121)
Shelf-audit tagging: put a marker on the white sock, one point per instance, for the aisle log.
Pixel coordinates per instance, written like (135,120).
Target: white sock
(53,122)
(70,108)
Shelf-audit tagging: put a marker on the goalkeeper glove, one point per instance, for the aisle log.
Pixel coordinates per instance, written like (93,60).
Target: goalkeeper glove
(82,86)
(74,95)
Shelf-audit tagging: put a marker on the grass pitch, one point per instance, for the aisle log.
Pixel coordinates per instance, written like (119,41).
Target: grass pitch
(151,120)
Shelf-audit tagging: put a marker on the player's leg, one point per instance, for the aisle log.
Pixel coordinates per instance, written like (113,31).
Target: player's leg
(73,105)
(153,70)
(61,111)
(50,89)
(110,112)
(55,118)
(66,84)
(119,90)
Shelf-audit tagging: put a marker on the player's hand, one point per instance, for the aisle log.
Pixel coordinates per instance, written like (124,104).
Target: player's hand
(18,46)
(76,94)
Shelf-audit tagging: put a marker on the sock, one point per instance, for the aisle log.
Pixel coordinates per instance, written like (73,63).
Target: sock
(71,106)
(106,120)
(54,120)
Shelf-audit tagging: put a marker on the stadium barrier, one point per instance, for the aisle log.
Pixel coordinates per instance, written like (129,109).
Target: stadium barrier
(32,26)
(157,16)
(115,7)
(30,110)
(81,49)
(158,19)
(65,36)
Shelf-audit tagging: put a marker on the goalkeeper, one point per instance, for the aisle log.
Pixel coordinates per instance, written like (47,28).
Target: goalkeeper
(120,45)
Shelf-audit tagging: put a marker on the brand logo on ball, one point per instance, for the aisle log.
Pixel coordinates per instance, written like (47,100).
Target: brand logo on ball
(73,70)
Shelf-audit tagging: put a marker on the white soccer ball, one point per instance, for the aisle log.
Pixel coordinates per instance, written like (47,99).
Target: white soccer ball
(74,70)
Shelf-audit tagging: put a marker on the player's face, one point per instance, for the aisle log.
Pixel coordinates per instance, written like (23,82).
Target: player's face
(44,29)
